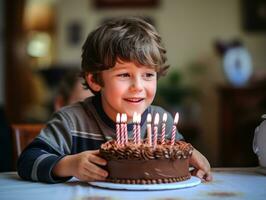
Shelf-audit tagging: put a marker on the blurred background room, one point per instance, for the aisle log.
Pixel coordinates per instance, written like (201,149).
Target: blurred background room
(216,50)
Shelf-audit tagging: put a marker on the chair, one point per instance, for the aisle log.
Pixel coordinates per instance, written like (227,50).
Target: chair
(22,135)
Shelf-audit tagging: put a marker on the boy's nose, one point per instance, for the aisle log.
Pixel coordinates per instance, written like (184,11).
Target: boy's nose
(137,85)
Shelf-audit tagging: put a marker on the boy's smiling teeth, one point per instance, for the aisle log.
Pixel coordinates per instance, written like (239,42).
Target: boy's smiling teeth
(134,100)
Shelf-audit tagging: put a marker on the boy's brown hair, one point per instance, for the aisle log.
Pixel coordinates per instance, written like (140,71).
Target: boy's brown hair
(128,39)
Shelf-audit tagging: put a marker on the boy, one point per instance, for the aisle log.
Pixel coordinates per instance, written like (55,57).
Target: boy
(121,62)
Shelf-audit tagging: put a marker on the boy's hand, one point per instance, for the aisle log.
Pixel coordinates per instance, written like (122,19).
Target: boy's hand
(83,166)
(201,165)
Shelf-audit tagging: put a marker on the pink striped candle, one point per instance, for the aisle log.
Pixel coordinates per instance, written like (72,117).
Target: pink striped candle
(138,128)
(174,128)
(125,129)
(118,132)
(149,129)
(163,128)
(135,119)
(155,130)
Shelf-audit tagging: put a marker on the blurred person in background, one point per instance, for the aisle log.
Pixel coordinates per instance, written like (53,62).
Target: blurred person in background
(70,90)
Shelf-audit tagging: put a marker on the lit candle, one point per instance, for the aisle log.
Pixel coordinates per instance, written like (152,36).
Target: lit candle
(122,129)
(135,121)
(118,131)
(174,128)
(138,127)
(163,128)
(155,129)
(149,129)
(125,129)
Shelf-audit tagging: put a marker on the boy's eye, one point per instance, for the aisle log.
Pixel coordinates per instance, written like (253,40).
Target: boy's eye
(124,75)
(149,76)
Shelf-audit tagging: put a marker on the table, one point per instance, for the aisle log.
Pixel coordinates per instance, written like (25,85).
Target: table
(228,183)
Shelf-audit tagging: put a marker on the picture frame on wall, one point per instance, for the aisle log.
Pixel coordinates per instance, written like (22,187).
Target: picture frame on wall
(254,15)
(74,33)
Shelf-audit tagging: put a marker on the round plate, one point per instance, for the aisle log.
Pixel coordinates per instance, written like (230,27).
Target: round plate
(193,181)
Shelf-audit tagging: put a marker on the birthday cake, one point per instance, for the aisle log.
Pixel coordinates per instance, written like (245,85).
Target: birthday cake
(151,160)
(143,164)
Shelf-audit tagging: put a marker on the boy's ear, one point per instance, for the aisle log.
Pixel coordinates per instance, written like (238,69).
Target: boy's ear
(92,83)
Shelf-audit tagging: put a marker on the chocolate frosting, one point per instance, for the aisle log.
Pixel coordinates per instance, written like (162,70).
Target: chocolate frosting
(111,150)
(143,164)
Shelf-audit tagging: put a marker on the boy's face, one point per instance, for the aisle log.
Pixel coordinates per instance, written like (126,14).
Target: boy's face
(128,88)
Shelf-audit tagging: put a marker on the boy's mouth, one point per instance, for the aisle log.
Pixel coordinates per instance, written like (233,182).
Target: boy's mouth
(134,100)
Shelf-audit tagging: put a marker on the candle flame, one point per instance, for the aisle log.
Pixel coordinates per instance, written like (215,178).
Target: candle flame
(149,118)
(118,118)
(156,119)
(139,118)
(164,117)
(176,118)
(124,118)
(135,117)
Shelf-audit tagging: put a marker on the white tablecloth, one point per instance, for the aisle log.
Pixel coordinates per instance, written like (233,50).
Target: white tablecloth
(228,183)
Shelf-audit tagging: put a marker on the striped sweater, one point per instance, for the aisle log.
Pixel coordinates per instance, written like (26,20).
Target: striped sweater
(75,128)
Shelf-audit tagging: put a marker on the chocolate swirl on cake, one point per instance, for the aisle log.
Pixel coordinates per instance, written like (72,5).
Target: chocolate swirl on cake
(112,150)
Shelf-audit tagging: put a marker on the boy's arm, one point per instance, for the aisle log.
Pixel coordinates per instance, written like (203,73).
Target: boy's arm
(54,142)
(49,157)
(37,161)
(86,166)
(201,165)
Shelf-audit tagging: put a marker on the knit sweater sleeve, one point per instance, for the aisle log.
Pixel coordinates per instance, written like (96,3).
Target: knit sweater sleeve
(39,157)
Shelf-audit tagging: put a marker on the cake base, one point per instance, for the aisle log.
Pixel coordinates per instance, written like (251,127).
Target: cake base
(147,171)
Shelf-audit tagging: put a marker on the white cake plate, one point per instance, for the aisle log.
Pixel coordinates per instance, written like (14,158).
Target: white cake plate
(193,181)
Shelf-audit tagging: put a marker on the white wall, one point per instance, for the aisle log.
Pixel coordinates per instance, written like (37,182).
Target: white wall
(188,29)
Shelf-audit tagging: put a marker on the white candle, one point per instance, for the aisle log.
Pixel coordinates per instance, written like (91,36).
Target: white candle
(155,128)
(149,129)
(174,128)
